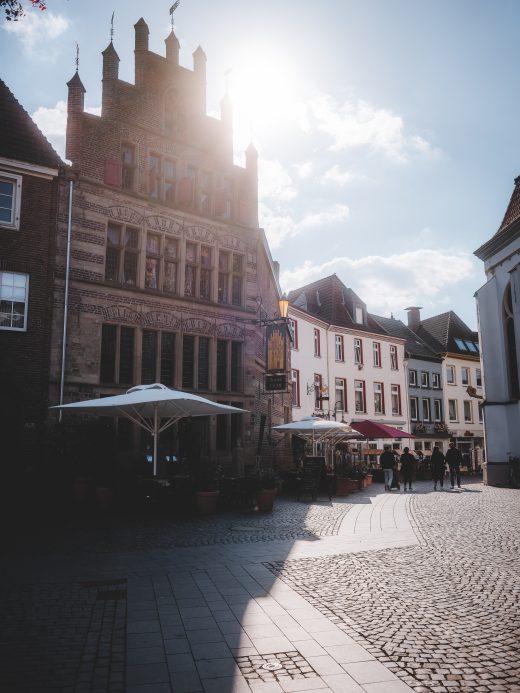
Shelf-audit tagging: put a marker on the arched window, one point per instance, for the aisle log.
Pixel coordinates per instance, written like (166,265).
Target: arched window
(509,331)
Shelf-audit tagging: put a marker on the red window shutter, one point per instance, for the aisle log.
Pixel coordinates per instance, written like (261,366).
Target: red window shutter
(113,172)
(185,191)
(220,202)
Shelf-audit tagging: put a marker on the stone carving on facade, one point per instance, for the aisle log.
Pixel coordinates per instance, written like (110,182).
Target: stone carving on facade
(125,214)
(158,222)
(230,330)
(121,313)
(161,319)
(198,326)
(200,233)
(232,243)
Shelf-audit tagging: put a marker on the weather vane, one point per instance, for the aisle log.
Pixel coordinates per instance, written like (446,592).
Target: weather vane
(112,27)
(173,8)
(77,57)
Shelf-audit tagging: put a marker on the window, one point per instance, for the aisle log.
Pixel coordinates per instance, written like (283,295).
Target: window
(358,351)
(436,381)
(229,365)
(224,199)
(230,277)
(317,342)
(478,377)
(425,409)
(480,413)
(149,357)
(376,349)
(340,401)
(205,188)
(359,315)
(379,400)
(413,409)
(318,391)
(153,261)
(128,166)
(393,357)
(437,409)
(236,366)
(452,410)
(293,324)
(158,357)
(10,198)
(464,375)
(197,270)
(412,377)
(14,299)
(461,344)
(425,379)
(154,176)
(171,257)
(295,387)
(359,394)
(468,414)
(170,174)
(339,348)
(122,254)
(511,358)
(450,375)
(396,399)
(188,361)
(117,354)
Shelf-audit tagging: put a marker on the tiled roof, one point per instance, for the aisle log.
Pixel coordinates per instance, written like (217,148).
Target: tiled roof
(414,345)
(447,332)
(20,139)
(513,208)
(331,301)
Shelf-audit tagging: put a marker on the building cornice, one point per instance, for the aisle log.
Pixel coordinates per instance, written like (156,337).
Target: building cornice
(31,169)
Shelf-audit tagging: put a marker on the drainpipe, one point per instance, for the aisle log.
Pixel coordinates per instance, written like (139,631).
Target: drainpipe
(66,298)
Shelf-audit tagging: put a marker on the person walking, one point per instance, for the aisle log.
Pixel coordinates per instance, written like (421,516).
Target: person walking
(454,460)
(407,468)
(387,462)
(438,462)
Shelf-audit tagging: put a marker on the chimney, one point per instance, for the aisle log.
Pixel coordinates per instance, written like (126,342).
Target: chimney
(414,317)
(75,109)
(141,49)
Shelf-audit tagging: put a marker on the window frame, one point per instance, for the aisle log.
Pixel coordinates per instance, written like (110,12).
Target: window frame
(455,408)
(397,411)
(339,348)
(317,343)
(436,381)
(359,387)
(340,385)
(128,168)
(3,298)
(394,361)
(16,182)
(467,404)
(426,409)
(437,410)
(318,387)
(226,277)
(425,379)
(381,393)
(358,351)
(415,402)
(117,356)
(478,377)
(376,354)
(293,324)
(412,380)
(451,369)
(123,251)
(295,387)
(465,378)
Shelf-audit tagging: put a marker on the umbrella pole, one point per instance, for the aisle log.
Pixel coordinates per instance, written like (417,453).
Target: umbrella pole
(155,434)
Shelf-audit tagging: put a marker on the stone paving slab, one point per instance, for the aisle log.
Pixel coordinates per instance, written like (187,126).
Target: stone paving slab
(201,594)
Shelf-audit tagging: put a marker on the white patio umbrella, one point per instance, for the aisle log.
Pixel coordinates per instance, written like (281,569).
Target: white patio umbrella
(319,430)
(148,405)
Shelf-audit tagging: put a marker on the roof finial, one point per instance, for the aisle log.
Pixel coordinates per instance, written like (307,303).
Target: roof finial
(77,57)
(112,27)
(173,8)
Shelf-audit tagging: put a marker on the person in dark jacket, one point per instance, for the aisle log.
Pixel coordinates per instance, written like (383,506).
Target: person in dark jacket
(387,462)
(407,468)
(438,462)
(454,460)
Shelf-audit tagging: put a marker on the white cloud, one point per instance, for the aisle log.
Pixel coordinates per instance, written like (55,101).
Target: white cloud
(53,123)
(391,283)
(280,224)
(337,177)
(356,123)
(36,29)
(274,181)
(304,169)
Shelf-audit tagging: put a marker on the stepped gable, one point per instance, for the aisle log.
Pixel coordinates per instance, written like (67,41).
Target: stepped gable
(20,138)
(331,301)
(414,346)
(443,330)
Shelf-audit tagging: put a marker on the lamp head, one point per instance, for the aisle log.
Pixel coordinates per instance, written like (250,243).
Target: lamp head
(283,306)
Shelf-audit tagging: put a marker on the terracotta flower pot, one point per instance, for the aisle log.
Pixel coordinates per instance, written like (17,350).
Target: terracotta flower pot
(265,499)
(342,487)
(206,501)
(368,479)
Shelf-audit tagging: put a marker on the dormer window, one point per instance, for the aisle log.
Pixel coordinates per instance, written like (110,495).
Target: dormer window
(359,315)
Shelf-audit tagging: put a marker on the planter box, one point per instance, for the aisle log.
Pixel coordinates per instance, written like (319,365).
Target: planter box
(342,487)
(265,499)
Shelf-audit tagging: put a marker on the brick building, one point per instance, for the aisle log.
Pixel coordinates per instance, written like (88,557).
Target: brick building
(169,271)
(29,171)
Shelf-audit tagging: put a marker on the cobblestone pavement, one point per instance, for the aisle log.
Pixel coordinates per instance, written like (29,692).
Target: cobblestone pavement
(443,615)
(292,520)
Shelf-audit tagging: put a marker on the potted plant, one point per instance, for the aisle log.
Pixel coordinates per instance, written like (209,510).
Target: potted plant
(267,488)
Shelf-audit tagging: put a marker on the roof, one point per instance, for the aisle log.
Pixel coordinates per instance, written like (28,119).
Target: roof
(448,333)
(20,138)
(331,301)
(415,346)
(509,229)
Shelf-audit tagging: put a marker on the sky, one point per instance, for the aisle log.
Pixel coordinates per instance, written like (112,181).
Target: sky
(387,130)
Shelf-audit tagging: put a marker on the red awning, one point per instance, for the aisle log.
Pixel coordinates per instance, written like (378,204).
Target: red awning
(374,429)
